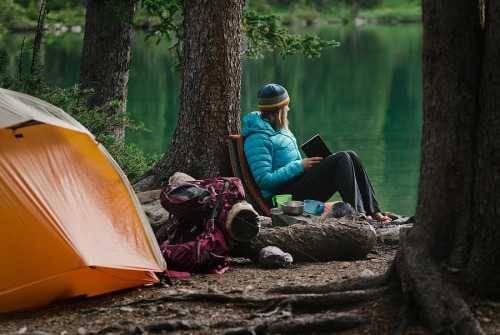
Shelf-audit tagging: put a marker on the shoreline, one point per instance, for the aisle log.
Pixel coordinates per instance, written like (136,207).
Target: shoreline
(358,22)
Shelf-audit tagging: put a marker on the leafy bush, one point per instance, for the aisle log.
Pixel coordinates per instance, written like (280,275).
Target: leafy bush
(263,34)
(133,161)
(4,61)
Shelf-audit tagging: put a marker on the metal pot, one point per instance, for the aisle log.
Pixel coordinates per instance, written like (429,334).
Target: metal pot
(292,207)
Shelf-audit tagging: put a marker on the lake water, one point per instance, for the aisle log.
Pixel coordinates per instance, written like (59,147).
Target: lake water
(364,96)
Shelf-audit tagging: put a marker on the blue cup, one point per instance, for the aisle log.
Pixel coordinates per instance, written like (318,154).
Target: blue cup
(314,207)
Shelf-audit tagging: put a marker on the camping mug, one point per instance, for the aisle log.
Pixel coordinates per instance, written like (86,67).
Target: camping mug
(278,199)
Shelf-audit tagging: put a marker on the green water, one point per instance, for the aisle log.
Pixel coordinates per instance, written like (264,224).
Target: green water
(364,96)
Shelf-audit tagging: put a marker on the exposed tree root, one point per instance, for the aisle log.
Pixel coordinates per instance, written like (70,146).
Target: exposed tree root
(326,323)
(297,301)
(343,285)
(424,283)
(172,325)
(403,320)
(154,327)
(315,302)
(437,300)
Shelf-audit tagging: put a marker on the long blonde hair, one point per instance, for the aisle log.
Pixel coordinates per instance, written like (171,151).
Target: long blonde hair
(277,118)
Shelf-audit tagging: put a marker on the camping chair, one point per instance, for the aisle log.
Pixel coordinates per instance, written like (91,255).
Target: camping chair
(242,171)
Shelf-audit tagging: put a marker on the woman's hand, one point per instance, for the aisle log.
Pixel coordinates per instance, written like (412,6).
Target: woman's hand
(308,163)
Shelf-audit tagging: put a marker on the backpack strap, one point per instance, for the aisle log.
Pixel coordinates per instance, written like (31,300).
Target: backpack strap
(210,222)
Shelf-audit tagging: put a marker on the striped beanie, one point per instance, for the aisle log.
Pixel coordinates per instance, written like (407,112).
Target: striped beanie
(272,97)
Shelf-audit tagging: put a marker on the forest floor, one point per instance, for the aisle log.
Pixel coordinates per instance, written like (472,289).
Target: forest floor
(148,310)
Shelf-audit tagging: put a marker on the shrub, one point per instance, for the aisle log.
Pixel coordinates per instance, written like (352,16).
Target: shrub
(133,161)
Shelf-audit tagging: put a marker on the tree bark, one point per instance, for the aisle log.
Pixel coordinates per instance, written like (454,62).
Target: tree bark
(333,239)
(209,107)
(452,53)
(483,270)
(455,221)
(105,60)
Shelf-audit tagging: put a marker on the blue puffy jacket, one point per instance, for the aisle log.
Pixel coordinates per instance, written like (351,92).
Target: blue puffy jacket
(273,156)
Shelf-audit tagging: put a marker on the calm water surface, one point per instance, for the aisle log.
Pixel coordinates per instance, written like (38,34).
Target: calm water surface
(364,96)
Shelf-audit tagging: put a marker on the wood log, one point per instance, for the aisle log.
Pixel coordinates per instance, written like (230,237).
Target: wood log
(328,240)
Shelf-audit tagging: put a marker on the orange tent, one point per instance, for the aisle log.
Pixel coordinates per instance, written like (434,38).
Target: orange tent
(70,223)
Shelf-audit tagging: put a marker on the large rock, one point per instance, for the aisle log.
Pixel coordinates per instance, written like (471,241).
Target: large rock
(273,257)
(148,196)
(150,201)
(143,185)
(393,232)
(279,219)
(157,215)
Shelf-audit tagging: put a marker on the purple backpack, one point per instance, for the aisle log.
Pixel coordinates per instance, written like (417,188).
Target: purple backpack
(195,238)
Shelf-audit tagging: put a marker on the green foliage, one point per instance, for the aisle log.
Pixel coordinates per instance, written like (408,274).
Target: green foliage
(394,10)
(32,10)
(133,161)
(264,34)
(68,15)
(168,14)
(338,10)
(13,15)
(4,61)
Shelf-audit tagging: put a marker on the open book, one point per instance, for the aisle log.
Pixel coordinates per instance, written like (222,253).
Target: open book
(316,147)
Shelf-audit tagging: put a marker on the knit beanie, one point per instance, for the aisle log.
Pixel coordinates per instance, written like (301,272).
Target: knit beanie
(272,97)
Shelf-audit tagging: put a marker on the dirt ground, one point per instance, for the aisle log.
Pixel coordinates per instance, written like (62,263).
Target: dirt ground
(145,311)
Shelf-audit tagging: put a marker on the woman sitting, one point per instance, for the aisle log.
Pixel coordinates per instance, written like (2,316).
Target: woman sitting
(277,167)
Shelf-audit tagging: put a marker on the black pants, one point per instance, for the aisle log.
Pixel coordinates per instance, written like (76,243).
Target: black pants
(342,172)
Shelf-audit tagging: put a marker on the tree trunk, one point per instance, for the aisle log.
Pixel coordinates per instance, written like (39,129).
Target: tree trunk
(209,108)
(483,269)
(455,221)
(105,61)
(355,8)
(451,63)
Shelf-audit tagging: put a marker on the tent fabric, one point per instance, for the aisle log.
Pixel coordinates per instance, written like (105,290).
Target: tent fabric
(70,223)
(17,108)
